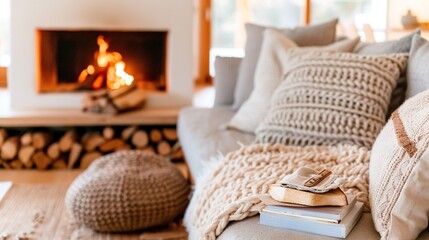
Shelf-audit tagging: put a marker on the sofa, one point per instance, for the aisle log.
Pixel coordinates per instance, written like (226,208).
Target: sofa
(204,136)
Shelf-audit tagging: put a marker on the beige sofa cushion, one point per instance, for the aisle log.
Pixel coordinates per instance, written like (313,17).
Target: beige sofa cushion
(331,98)
(271,66)
(399,166)
(313,35)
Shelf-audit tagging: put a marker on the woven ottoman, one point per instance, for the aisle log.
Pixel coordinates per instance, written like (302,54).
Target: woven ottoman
(128,191)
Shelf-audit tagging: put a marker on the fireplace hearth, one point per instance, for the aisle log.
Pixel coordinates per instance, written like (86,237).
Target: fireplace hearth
(88,60)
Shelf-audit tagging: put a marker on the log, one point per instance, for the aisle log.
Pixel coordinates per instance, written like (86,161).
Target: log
(124,147)
(108,133)
(111,145)
(59,164)
(133,99)
(92,141)
(183,168)
(163,148)
(128,132)
(74,154)
(149,149)
(41,140)
(140,139)
(41,160)
(67,140)
(170,134)
(26,139)
(10,148)
(88,158)
(155,135)
(178,155)
(3,136)
(16,164)
(5,164)
(25,155)
(121,91)
(54,151)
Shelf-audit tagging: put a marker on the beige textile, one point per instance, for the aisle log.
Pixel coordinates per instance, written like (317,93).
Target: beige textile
(331,98)
(128,191)
(399,169)
(230,190)
(272,63)
(38,212)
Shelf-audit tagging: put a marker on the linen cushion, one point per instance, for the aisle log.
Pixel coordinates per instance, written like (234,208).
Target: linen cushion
(418,71)
(331,98)
(399,168)
(317,35)
(226,72)
(128,191)
(402,45)
(271,65)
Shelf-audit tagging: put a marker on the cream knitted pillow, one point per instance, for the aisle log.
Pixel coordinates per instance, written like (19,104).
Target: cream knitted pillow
(399,166)
(329,98)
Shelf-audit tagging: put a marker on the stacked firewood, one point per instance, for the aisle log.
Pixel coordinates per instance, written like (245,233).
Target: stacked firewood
(74,148)
(115,101)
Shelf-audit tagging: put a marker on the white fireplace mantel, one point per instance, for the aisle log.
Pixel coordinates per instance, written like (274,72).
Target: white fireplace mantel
(175,17)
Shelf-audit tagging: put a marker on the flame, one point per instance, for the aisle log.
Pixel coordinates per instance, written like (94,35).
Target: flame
(109,62)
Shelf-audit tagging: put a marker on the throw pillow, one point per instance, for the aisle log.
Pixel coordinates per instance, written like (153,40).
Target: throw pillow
(271,64)
(317,35)
(418,72)
(226,72)
(399,172)
(402,45)
(331,98)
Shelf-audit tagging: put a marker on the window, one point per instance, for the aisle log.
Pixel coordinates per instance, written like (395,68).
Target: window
(4,32)
(229,16)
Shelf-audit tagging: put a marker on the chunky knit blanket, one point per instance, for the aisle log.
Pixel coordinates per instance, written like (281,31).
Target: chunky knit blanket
(230,190)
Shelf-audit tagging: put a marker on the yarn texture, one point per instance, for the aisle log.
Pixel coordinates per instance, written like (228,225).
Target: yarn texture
(230,191)
(127,191)
(330,98)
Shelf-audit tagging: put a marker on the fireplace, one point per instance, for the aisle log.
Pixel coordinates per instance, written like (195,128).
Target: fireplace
(53,42)
(88,60)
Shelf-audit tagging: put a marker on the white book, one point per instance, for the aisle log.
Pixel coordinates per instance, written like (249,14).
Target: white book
(338,230)
(4,187)
(329,214)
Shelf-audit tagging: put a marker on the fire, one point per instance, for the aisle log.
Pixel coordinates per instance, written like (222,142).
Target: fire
(110,69)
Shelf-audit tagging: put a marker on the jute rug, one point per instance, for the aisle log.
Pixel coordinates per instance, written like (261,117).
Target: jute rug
(33,211)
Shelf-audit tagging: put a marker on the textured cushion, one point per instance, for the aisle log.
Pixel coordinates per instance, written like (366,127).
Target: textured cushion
(402,45)
(315,35)
(418,71)
(128,191)
(271,66)
(226,69)
(202,136)
(331,98)
(399,169)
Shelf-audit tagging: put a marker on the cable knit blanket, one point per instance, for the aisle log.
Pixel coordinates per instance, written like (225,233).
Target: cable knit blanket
(230,190)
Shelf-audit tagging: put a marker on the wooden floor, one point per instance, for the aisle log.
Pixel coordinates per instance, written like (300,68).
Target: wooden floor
(39,177)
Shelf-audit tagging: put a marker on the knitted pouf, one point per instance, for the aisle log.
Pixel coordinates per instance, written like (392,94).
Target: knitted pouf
(128,191)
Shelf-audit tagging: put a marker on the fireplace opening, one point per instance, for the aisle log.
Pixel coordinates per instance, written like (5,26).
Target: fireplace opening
(69,61)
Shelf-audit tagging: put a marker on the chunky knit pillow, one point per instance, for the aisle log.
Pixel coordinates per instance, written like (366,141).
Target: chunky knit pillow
(128,191)
(399,166)
(329,98)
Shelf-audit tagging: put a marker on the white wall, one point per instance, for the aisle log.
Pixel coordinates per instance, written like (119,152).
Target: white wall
(174,16)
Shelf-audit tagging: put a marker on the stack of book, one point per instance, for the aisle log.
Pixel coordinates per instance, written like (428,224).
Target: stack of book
(335,221)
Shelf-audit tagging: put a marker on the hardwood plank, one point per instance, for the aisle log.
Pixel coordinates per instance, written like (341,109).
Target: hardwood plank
(75,117)
(39,177)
